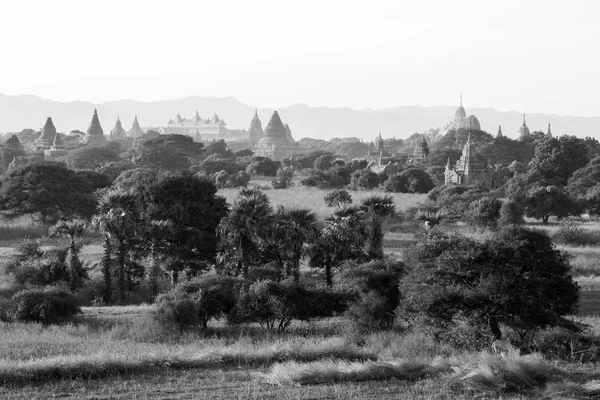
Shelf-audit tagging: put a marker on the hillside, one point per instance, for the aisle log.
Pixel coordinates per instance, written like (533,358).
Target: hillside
(27,111)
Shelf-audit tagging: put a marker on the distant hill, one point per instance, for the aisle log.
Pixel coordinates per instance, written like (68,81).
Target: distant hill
(27,111)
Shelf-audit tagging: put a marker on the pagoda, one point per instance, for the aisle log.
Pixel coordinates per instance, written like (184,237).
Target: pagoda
(421,150)
(95,135)
(275,144)
(46,138)
(57,149)
(255,132)
(523,132)
(135,131)
(117,133)
(471,170)
(499,134)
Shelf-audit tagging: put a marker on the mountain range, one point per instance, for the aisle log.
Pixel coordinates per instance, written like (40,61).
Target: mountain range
(28,111)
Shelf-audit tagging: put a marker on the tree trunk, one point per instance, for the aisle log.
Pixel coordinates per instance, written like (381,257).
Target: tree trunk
(495,328)
(545,219)
(376,239)
(175,276)
(154,272)
(121,253)
(328,275)
(106,271)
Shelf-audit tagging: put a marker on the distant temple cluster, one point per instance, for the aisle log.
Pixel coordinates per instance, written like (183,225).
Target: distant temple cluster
(213,128)
(276,142)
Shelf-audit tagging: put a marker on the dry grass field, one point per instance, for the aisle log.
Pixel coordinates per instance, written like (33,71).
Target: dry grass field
(121,352)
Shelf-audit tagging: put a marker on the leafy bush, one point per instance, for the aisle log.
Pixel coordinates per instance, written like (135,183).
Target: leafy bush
(208,297)
(324,162)
(30,265)
(284,178)
(411,180)
(511,213)
(48,306)
(262,166)
(483,212)
(338,198)
(274,305)
(375,288)
(324,180)
(569,232)
(364,179)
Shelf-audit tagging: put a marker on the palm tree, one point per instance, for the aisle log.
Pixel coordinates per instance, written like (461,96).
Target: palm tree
(243,231)
(72,229)
(292,229)
(377,208)
(342,238)
(101,224)
(158,234)
(118,219)
(429,218)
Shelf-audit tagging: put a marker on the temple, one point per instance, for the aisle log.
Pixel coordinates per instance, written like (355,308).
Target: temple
(275,144)
(206,129)
(135,131)
(421,150)
(117,133)
(255,132)
(95,135)
(471,170)
(46,138)
(523,132)
(499,134)
(461,121)
(549,133)
(57,149)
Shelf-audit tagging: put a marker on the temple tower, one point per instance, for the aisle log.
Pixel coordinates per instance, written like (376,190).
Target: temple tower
(275,143)
(549,133)
(136,131)
(421,150)
(255,132)
(117,133)
(46,138)
(57,149)
(95,135)
(523,132)
(499,134)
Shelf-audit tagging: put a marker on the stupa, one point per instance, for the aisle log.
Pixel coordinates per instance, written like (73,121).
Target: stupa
(499,134)
(117,133)
(135,131)
(275,144)
(421,150)
(57,149)
(46,138)
(95,135)
(523,132)
(255,132)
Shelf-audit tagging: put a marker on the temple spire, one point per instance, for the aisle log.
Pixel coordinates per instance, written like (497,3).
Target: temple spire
(549,134)
(256,113)
(461,100)
(499,134)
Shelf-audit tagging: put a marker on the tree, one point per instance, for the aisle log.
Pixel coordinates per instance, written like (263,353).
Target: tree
(139,179)
(87,157)
(483,212)
(72,229)
(377,209)
(324,162)
(47,191)
(511,213)
(364,179)
(292,228)
(243,231)
(166,152)
(119,219)
(284,178)
(584,179)
(546,201)
(213,164)
(516,278)
(411,180)
(558,158)
(195,210)
(262,166)
(342,238)
(338,198)
(158,235)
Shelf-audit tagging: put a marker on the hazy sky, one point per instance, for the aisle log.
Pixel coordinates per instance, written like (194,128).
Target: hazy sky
(527,55)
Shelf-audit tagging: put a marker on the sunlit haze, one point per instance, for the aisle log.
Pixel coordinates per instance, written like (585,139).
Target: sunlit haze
(529,56)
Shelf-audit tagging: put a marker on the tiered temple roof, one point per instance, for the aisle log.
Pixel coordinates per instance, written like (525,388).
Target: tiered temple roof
(275,144)
(255,131)
(523,130)
(135,131)
(95,135)
(421,149)
(46,138)
(117,133)
(57,149)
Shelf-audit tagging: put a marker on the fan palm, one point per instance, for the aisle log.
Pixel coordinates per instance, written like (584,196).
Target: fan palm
(377,209)
(72,229)
(158,234)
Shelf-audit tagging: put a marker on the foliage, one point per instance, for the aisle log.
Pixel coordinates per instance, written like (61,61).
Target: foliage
(364,179)
(569,232)
(324,162)
(558,158)
(213,164)
(410,180)
(544,202)
(72,229)
(86,157)
(218,149)
(483,213)
(31,265)
(262,166)
(243,232)
(284,178)
(324,180)
(166,152)
(98,180)
(208,297)
(194,209)
(338,198)
(275,305)
(511,213)
(376,293)
(453,200)
(47,191)
(584,179)
(516,278)
(377,209)
(47,306)
(138,179)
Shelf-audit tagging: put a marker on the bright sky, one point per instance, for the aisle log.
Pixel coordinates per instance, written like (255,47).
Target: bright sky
(524,55)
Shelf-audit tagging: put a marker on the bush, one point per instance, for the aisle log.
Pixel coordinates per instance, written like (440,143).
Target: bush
(364,179)
(375,288)
(511,213)
(30,265)
(569,232)
(338,198)
(324,162)
(411,180)
(48,306)
(324,180)
(208,296)
(284,178)
(263,166)
(484,212)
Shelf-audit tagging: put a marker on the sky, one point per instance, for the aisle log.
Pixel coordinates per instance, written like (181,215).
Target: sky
(523,55)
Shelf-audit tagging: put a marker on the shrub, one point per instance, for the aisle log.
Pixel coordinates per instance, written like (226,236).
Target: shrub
(262,166)
(411,180)
(364,179)
(48,306)
(375,288)
(30,265)
(212,296)
(324,180)
(483,212)
(511,213)
(569,232)
(284,178)
(324,162)
(338,198)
